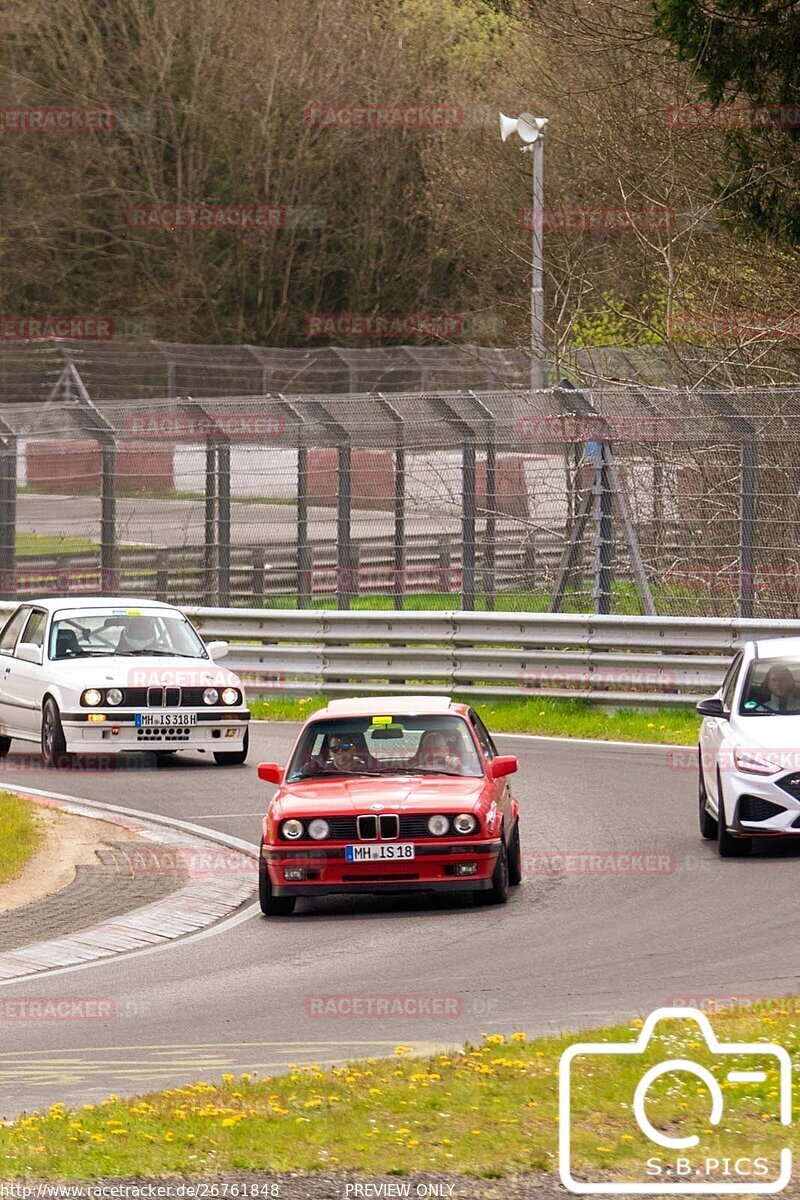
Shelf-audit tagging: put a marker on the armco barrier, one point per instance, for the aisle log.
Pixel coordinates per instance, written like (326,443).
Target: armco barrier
(610,660)
(647,660)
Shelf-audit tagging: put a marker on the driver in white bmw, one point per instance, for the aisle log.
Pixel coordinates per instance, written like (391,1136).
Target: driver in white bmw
(139,635)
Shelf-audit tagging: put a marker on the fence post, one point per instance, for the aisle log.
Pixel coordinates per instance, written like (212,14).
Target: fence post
(211,580)
(468,524)
(8,516)
(344,562)
(747,527)
(162,577)
(108,505)
(304,580)
(602,534)
(224,521)
(258,577)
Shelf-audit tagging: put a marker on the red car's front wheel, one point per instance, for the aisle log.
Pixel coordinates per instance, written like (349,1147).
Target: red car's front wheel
(498,892)
(271,905)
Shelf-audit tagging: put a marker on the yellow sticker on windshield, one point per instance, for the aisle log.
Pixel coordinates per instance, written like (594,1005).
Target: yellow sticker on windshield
(381,720)
(133,612)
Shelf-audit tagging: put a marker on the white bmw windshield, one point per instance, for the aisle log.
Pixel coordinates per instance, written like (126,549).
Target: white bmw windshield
(128,633)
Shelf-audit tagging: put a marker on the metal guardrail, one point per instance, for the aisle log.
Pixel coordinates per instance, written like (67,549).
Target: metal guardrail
(609,660)
(612,660)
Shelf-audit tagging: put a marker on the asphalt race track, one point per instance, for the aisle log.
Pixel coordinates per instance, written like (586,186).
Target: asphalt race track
(573,948)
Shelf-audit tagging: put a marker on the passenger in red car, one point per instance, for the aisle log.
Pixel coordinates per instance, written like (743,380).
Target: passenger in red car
(435,753)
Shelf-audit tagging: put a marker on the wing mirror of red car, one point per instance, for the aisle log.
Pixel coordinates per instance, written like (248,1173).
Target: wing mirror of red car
(270,772)
(504,764)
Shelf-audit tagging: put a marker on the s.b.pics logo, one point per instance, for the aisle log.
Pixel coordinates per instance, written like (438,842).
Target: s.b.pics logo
(691,1104)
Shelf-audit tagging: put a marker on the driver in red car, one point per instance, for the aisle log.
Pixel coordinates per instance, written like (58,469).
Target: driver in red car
(340,755)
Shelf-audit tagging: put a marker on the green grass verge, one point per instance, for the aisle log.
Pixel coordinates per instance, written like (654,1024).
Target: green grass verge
(20,834)
(548,716)
(29,544)
(488,1110)
(669,600)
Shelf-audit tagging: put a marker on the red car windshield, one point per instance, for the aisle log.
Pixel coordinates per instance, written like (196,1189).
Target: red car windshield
(383,745)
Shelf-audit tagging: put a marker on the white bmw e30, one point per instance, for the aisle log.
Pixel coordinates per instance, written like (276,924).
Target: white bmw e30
(749,751)
(107,675)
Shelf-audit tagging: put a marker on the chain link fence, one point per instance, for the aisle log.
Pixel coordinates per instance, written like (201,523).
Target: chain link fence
(628,499)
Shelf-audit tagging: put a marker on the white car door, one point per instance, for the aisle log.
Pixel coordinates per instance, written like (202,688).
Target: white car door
(25,680)
(9,714)
(714,730)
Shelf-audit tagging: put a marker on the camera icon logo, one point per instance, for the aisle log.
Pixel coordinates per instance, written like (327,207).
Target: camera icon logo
(682,1164)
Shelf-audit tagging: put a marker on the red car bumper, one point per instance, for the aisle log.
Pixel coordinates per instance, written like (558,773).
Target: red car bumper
(436,867)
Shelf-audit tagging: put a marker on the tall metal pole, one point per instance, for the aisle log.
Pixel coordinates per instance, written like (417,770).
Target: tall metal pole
(537,274)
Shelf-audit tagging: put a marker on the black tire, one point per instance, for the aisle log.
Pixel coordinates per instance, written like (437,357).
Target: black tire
(233,758)
(708,824)
(271,905)
(728,845)
(54,744)
(5,746)
(498,892)
(515,857)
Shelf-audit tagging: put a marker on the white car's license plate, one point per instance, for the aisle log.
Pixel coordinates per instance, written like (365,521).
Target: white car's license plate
(380,852)
(166,718)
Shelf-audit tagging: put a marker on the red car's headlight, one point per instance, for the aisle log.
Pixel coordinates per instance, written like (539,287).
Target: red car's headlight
(465,823)
(438,825)
(292,829)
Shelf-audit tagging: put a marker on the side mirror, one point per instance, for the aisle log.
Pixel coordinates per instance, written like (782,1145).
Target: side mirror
(504,764)
(270,772)
(27,652)
(713,707)
(217,649)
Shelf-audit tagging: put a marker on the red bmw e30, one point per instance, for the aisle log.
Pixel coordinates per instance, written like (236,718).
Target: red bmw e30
(390,795)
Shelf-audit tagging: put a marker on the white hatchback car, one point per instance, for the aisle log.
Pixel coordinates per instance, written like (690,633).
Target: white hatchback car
(105,675)
(749,754)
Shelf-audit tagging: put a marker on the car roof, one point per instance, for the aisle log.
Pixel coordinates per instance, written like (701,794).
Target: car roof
(777,647)
(366,706)
(55,603)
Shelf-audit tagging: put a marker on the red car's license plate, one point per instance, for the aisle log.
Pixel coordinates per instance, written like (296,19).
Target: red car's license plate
(379,852)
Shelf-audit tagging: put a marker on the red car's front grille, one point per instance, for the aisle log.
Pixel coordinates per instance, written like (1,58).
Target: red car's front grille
(408,827)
